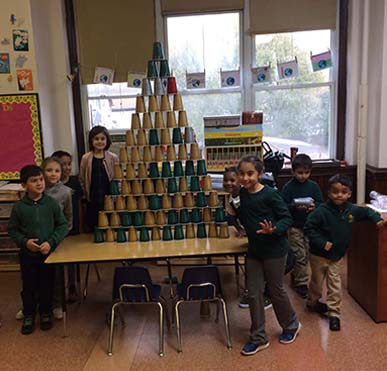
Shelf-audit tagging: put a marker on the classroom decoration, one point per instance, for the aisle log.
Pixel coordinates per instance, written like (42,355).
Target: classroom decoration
(230,79)
(103,76)
(196,80)
(321,61)
(288,69)
(161,182)
(21,141)
(261,74)
(4,63)
(135,79)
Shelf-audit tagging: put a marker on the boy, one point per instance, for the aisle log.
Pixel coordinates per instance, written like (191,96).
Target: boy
(37,225)
(302,196)
(329,230)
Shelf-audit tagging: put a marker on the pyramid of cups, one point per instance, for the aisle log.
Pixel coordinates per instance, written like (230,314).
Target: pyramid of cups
(161,189)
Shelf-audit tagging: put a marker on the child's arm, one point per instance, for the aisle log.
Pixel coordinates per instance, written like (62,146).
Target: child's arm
(60,230)
(14,231)
(82,173)
(366,213)
(68,210)
(234,221)
(312,230)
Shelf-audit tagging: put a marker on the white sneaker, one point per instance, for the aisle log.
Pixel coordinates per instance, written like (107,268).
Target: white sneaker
(19,314)
(58,313)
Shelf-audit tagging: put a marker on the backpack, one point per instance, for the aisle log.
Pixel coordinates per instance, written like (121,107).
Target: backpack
(273,160)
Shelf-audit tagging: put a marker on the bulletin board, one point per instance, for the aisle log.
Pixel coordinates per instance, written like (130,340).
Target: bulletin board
(20,134)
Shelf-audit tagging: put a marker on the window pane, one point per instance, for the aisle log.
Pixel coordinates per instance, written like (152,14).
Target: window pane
(199,42)
(283,47)
(198,106)
(297,118)
(116,89)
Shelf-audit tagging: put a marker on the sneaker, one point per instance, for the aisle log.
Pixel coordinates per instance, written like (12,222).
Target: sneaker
(251,348)
(244,302)
(334,323)
(320,308)
(58,313)
(302,291)
(288,336)
(19,314)
(28,326)
(267,302)
(45,321)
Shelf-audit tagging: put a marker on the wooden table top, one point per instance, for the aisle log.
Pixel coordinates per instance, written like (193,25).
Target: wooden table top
(82,249)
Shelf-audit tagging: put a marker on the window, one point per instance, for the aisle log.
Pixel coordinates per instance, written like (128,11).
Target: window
(297,112)
(207,42)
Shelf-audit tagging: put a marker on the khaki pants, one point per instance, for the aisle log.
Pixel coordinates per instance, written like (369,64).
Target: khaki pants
(299,244)
(329,270)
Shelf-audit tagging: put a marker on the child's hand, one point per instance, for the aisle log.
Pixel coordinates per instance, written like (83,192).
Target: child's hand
(381,224)
(267,228)
(328,246)
(45,248)
(311,207)
(32,245)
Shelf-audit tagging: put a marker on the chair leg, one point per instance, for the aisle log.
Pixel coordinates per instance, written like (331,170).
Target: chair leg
(97,272)
(165,305)
(217,311)
(226,324)
(178,326)
(161,329)
(110,344)
(122,319)
(86,281)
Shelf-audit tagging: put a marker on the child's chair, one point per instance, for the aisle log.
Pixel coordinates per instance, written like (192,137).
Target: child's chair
(133,285)
(201,284)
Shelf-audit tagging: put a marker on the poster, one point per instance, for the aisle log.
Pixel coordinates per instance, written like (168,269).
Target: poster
(135,79)
(230,79)
(288,69)
(20,40)
(103,76)
(20,134)
(4,63)
(261,74)
(321,61)
(196,80)
(24,80)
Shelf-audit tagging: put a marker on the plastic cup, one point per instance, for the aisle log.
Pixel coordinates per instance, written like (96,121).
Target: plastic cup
(219,215)
(194,185)
(109,235)
(212,230)
(189,200)
(120,203)
(171,85)
(155,234)
(140,105)
(138,219)
(154,202)
(113,188)
(160,218)
(146,121)
(152,104)
(195,216)
(201,200)
(164,69)
(121,235)
(166,171)
(131,203)
(152,70)
(132,234)
(159,120)
(130,173)
(207,215)
(146,88)
(166,201)
(172,186)
(108,204)
(178,169)
(178,201)
(172,217)
(176,136)
(189,231)
(201,168)
(183,186)
(178,232)
(115,220)
(98,235)
(171,153)
(171,119)
(126,219)
(189,168)
(102,220)
(144,235)
(184,216)
(123,155)
(158,53)
(201,231)
(149,218)
(153,137)
(167,233)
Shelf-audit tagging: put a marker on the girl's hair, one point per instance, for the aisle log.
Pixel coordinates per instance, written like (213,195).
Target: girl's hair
(47,160)
(98,130)
(256,161)
(231,169)
(61,154)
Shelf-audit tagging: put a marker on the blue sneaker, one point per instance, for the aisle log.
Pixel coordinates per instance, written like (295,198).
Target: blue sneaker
(288,336)
(250,348)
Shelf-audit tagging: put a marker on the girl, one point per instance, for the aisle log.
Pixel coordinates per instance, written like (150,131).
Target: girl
(53,172)
(96,172)
(266,218)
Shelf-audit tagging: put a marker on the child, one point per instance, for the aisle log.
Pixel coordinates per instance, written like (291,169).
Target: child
(72,182)
(266,219)
(329,229)
(52,171)
(300,187)
(37,225)
(96,172)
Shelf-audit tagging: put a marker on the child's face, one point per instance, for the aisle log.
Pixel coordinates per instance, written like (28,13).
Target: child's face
(99,142)
(52,172)
(231,183)
(339,194)
(35,185)
(302,174)
(248,176)
(67,166)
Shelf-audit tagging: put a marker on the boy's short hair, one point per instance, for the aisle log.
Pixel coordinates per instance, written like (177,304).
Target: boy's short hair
(29,171)
(231,169)
(61,154)
(301,160)
(340,178)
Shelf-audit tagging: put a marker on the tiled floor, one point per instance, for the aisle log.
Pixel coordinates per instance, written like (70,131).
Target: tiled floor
(361,345)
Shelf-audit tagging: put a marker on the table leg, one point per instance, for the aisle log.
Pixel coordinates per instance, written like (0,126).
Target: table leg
(64,304)
(236,264)
(79,291)
(170,278)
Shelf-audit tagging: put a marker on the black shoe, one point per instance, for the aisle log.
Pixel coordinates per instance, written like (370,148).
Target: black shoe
(320,308)
(334,323)
(28,326)
(302,291)
(45,322)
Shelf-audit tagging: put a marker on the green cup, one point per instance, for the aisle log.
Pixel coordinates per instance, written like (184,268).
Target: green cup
(121,235)
(153,137)
(144,235)
(176,136)
(164,69)
(201,231)
(113,188)
(184,216)
(195,216)
(178,233)
(154,170)
(98,235)
(201,167)
(126,219)
(167,233)
(158,53)
(166,171)
(194,184)
(154,202)
(152,70)
(178,169)
(219,215)
(138,219)
(189,168)
(201,200)
(172,217)
(172,185)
